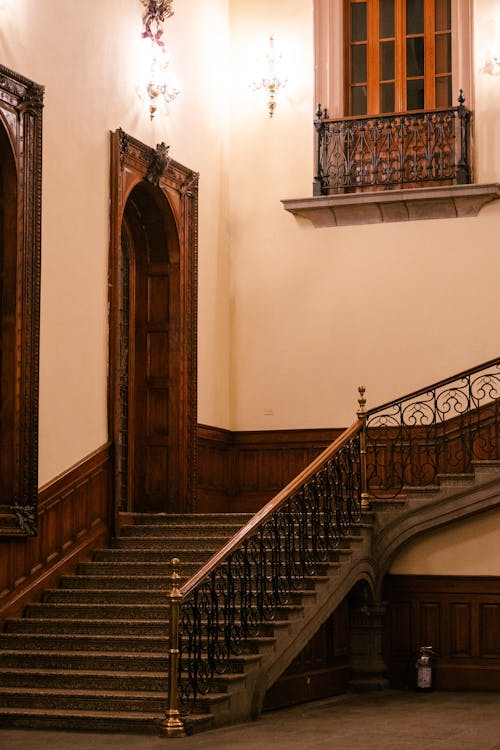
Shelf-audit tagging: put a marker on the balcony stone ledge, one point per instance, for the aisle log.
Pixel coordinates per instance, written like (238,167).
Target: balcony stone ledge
(347,209)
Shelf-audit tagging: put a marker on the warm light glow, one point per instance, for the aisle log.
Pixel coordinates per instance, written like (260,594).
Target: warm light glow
(160,85)
(271,81)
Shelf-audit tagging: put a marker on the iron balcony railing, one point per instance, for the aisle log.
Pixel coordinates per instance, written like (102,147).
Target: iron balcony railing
(377,152)
(443,428)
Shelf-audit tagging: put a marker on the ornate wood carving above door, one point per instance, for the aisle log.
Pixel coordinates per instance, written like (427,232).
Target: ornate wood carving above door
(153,303)
(21,103)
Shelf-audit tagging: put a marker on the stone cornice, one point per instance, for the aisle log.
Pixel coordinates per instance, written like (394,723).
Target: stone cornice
(347,209)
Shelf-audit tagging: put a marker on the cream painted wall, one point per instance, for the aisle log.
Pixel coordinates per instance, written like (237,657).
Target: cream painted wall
(291,318)
(466,548)
(319,311)
(91,59)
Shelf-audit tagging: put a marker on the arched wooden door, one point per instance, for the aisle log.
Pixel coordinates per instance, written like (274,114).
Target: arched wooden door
(152,321)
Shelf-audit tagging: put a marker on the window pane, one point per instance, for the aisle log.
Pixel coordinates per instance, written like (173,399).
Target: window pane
(358,63)
(358,22)
(415,94)
(386,18)
(443,92)
(415,56)
(414,16)
(387,97)
(387,61)
(358,96)
(443,15)
(443,53)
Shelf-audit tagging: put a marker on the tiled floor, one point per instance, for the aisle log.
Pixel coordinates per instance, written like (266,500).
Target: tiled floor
(377,721)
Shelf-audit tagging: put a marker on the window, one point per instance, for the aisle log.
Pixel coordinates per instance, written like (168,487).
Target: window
(398,55)
(21,104)
(385,56)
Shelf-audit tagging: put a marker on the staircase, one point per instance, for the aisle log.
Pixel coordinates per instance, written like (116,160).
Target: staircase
(93,653)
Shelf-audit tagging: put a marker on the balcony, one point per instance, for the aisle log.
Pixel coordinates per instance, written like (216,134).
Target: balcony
(394,151)
(396,167)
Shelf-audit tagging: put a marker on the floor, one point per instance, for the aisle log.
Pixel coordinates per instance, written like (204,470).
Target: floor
(386,720)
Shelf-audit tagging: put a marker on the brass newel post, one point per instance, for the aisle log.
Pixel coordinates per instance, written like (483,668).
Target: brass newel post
(361,413)
(172,724)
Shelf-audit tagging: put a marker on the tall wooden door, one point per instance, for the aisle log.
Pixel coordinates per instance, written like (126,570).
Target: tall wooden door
(153,364)
(152,326)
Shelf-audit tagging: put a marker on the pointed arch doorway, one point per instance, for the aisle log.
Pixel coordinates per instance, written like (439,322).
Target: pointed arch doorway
(153,259)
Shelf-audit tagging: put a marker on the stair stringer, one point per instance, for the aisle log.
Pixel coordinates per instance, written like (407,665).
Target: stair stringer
(452,502)
(356,565)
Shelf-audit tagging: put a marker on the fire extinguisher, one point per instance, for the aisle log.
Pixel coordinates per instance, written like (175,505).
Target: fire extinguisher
(425,669)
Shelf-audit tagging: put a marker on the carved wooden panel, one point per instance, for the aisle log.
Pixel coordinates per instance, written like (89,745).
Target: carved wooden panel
(21,103)
(458,616)
(74,514)
(322,667)
(241,471)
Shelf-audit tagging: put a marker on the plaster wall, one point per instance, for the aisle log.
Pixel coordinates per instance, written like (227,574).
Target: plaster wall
(316,312)
(91,59)
(466,548)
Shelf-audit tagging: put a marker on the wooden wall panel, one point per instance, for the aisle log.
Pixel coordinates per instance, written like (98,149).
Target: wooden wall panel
(321,669)
(241,471)
(458,616)
(73,518)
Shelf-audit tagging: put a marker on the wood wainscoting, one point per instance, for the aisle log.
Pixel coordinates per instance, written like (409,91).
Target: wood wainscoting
(73,519)
(322,669)
(458,616)
(240,471)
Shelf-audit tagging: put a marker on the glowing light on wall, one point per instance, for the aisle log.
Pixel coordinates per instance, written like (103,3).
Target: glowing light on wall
(160,85)
(270,81)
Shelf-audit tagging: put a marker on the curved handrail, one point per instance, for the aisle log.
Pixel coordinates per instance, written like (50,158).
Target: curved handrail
(271,507)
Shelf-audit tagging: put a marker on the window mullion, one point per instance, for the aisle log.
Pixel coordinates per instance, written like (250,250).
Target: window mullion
(430,55)
(400,29)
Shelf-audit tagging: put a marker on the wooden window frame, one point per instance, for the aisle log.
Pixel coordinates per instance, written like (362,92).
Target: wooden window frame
(21,104)
(330,61)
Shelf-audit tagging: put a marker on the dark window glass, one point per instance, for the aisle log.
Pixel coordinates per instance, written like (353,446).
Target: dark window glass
(415,56)
(358,22)
(443,92)
(387,61)
(358,94)
(386,18)
(358,63)
(443,15)
(415,94)
(387,97)
(443,53)
(414,16)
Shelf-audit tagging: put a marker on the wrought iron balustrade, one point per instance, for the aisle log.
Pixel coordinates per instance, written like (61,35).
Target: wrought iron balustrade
(409,149)
(443,428)
(242,588)
(437,430)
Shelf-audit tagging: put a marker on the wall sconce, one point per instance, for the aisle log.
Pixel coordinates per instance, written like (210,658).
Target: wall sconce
(270,80)
(492,65)
(155,15)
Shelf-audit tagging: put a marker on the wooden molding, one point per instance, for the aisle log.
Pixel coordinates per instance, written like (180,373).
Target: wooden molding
(74,515)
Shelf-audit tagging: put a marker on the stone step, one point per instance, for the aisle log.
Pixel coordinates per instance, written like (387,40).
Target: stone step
(72,641)
(96,721)
(74,626)
(114,554)
(179,531)
(101,582)
(107,596)
(132,569)
(205,546)
(199,520)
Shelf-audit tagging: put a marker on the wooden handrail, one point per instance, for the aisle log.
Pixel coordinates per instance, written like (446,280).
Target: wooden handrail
(267,510)
(434,386)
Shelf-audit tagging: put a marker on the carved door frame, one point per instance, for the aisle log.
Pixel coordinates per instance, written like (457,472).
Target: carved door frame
(131,163)
(21,105)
